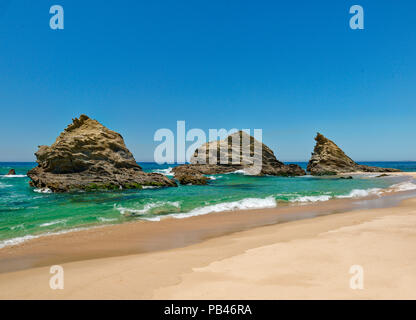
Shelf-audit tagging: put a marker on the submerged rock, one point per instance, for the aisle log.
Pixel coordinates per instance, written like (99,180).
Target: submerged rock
(89,156)
(383,175)
(328,159)
(11,172)
(225,149)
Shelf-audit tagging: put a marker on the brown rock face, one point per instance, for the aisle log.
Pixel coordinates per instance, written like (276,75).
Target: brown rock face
(89,156)
(11,172)
(225,149)
(328,159)
(194,179)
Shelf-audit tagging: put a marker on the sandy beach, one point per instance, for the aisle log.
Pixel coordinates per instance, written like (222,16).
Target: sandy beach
(178,151)
(249,255)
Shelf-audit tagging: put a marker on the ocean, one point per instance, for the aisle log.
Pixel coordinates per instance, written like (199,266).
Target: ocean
(27,213)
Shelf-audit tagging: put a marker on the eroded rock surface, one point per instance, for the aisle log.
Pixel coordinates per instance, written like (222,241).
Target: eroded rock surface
(245,155)
(11,172)
(328,159)
(89,156)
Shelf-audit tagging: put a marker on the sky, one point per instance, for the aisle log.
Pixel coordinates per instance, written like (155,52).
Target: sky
(290,68)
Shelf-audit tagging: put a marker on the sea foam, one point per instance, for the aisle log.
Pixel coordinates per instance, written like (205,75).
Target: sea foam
(19,240)
(147,207)
(165,172)
(311,198)
(43,190)
(47,224)
(244,204)
(14,176)
(2,185)
(360,193)
(403,186)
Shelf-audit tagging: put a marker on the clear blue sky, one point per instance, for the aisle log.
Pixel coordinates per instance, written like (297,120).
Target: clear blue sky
(291,68)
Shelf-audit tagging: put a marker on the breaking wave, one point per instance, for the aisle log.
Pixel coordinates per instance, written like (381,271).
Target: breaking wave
(19,240)
(47,224)
(14,176)
(43,190)
(147,207)
(165,172)
(403,186)
(244,204)
(360,193)
(311,198)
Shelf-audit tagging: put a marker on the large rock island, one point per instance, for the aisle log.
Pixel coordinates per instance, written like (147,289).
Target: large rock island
(328,159)
(89,156)
(224,149)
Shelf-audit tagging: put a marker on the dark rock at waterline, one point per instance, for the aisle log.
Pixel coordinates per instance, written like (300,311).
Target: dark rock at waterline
(11,172)
(328,159)
(193,179)
(88,156)
(346,177)
(208,159)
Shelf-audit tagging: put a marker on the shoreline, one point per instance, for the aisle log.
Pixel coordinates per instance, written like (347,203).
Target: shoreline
(15,241)
(138,237)
(303,259)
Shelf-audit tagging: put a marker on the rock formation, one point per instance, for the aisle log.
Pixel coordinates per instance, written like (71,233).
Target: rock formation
(89,156)
(244,152)
(328,159)
(11,172)
(191,178)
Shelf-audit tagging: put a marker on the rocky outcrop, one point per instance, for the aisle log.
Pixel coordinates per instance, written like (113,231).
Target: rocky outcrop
(244,153)
(192,179)
(11,172)
(89,156)
(328,159)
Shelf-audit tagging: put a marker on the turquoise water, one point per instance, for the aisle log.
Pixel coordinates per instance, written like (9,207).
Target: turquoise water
(25,213)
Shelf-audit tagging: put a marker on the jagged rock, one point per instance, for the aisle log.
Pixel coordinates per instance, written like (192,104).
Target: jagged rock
(11,172)
(225,149)
(89,156)
(328,159)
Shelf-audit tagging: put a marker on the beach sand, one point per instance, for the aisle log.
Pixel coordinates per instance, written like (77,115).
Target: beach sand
(304,259)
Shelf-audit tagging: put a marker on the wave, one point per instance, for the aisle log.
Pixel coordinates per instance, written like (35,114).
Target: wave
(360,193)
(311,198)
(356,193)
(151,218)
(2,185)
(47,224)
(19,240)
(214,177)
(165,172)
(241,171)
(14,176)
(19,226)
(16,241)
(102,219)
(244,204)
(403,186)
(147,208)
(43,190)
